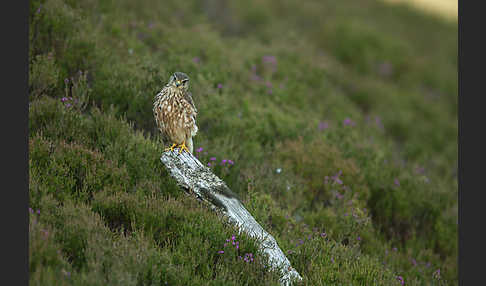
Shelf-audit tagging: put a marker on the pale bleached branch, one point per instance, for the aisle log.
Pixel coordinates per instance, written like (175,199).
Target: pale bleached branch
(200,181)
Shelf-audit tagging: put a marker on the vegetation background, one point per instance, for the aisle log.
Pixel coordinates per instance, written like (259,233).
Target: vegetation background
(335,121)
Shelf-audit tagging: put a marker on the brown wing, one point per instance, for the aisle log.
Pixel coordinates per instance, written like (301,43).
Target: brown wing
(191,114)
(157,110)
(188,97)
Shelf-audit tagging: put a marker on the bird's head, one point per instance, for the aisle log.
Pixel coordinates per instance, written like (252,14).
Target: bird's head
(179,80)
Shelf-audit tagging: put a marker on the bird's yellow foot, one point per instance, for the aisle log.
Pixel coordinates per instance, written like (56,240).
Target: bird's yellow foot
(171,148)
(183,147)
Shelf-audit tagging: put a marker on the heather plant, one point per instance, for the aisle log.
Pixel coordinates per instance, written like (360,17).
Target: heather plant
(43,76)
(76,92)
(334,121)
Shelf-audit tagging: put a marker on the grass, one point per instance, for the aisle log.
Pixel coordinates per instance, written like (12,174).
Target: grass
(339,118)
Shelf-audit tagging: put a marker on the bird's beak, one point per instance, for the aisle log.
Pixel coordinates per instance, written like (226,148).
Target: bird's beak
(178,83)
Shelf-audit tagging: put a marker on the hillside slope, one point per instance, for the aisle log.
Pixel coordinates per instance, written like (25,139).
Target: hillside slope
(340,118)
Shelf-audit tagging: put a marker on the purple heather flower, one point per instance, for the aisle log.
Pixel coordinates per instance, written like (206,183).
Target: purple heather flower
(223,161)
(396,182)
(359,238)
(38,211)
(400,278)
(224,245)
(419,170)
(68,104)
(196,60)
(230,162)
(437,273)
(64,99)
(38,9)
(45,233)
(212,159)
(414,262)
(221,251)
(269,59)
(220,85)
(233,237)
(66,80)
(323,125)
(395,249)
(332,260)
(199,149)
(336,177)
(209,164)
(348,121)
(323,234)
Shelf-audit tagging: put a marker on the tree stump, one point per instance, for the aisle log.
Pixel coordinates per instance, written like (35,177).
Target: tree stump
(200,181)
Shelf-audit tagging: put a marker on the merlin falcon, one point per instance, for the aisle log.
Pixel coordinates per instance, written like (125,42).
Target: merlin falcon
(175,113)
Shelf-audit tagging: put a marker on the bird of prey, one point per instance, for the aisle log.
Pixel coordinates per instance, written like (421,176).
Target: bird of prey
(175,113)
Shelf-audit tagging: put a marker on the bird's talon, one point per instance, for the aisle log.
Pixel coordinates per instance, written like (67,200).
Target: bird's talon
(171,148)
(183,147)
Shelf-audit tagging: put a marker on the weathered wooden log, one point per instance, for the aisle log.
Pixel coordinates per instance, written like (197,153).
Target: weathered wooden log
(200,181)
